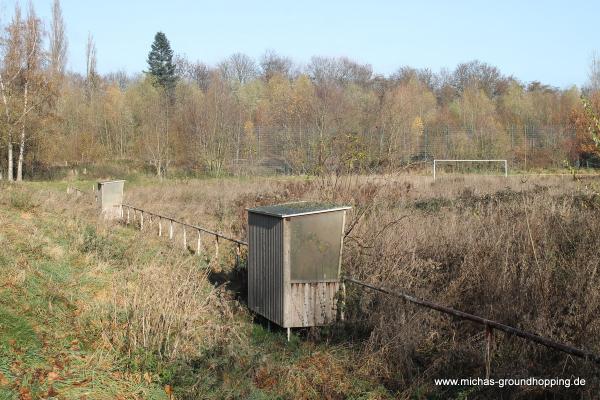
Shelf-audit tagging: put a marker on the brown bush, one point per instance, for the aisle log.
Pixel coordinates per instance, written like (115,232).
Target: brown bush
(526,257)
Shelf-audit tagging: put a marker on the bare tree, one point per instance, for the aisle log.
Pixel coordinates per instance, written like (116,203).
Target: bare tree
(120,78)
(9,77)
(405,74)
(594,73)
(32,80)
(90,64)
(58,40)
(196,72)
(481,76)
(352,72)
(324,70)
(238,68)
(272,63)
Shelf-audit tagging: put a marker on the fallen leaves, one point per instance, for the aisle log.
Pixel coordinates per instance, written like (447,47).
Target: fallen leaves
(26,216)
(82,382)
(3,380)
(264,378)
(169,391)
(52,376)
(24,393)
(51,392)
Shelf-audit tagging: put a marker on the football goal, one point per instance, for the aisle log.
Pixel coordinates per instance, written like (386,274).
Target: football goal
(476,165)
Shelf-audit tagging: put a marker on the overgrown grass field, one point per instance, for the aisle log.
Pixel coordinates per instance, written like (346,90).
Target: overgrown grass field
(96,310)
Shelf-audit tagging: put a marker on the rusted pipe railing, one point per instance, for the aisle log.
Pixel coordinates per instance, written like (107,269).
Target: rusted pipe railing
(488,323)
(184,224)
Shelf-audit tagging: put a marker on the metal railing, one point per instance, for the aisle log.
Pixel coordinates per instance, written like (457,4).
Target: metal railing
(127,218)
(487,323)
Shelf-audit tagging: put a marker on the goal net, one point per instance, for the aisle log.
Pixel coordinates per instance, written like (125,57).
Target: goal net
(459,167)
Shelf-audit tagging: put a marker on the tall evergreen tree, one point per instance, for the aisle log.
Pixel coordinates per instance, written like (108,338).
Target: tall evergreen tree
(160,61)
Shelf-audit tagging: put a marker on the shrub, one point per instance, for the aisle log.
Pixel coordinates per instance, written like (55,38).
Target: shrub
(21,200)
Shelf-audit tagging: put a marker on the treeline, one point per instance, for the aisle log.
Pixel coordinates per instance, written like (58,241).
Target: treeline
(243,114)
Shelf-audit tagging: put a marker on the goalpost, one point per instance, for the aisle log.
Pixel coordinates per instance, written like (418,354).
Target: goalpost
(504,162)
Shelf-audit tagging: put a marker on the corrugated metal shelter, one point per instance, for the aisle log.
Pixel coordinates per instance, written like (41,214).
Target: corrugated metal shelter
(294,261)
(109,195)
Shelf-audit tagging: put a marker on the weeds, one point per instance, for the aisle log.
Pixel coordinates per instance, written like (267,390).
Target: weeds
(104,246)
(522,252)
(21,200)
(162,307)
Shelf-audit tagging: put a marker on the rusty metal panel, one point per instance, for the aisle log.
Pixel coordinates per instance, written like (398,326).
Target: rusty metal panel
(266,266)
(316,246)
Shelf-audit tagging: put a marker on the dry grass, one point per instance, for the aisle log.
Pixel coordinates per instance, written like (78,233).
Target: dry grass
(162,307)
(103,311)
(523,251)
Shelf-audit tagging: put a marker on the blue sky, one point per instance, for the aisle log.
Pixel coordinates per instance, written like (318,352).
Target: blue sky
(550,41)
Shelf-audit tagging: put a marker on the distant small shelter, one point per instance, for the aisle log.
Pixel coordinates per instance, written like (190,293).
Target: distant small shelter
(109,196)
(294,260)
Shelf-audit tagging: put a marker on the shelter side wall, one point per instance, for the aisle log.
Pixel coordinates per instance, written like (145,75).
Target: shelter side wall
(110,198)
(265,266)
(311,304)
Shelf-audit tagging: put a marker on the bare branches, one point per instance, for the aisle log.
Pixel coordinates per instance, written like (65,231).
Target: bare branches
(23,85)
(58,40)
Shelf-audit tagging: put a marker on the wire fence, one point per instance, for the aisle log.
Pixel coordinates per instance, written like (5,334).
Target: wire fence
(293,150)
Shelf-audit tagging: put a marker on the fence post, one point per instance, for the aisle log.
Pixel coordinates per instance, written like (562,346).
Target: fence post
(217,248)
(141,220)
(199,244)
(159,226)
(170,229)
(237,255)
(184,237)
(489,333)
(127,215)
